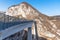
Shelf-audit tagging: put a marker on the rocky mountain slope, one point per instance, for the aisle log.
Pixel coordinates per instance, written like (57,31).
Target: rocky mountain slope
(47,27)
(57,17)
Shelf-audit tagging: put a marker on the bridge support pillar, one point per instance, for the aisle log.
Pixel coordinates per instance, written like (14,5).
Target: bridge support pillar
(29,34)
(36,36)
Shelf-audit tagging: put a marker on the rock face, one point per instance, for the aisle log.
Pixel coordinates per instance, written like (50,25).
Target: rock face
(47,27)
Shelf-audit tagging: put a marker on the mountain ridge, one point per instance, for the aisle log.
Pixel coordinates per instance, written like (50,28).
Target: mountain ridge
(47,26)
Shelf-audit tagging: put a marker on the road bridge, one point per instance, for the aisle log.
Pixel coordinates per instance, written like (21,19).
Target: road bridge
(10,28)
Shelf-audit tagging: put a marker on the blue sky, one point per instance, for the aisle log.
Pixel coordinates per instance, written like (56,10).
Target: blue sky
(48,7)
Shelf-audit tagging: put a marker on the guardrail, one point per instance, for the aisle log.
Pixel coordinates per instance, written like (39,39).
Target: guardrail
(14,27)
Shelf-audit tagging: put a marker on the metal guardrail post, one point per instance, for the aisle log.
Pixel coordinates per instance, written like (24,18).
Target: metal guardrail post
(29,34)
(0,36)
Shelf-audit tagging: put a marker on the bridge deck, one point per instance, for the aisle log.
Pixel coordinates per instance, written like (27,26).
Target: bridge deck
(10,28)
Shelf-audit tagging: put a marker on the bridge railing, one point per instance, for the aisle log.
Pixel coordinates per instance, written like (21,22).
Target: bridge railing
(16,27)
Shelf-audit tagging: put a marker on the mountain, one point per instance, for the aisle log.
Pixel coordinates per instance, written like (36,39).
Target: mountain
(47,27)
(57,17)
